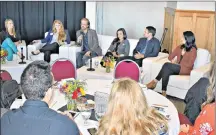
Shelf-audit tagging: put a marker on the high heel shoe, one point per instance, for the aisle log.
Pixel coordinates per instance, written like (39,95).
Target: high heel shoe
(151,85)
(34,53)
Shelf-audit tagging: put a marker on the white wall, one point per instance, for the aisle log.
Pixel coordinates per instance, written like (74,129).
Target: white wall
(133,16)
(209,6)
(91,13)
(172,4)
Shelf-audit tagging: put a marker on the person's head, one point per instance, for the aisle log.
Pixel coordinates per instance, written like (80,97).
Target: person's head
(128,112)
(9,26)
(211,89)
(85,24)
(121,34)
(149,32)
(37,80)
(58,27)
(188,40)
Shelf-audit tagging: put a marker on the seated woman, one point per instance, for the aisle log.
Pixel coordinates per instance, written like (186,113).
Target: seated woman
(205,122)
(132,116)
(120,46)
(10,39)
(182,61)
(55,37)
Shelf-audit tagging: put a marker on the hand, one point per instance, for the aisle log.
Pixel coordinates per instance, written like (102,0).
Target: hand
(66,113)
(183,52)
(174,60)
(17,43)
(114,54)
(139,55)
(80,38)
(184,128)
(88,53)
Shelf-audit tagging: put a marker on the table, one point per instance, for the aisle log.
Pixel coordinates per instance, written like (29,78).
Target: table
(99,73)
(14,68)
(105,86)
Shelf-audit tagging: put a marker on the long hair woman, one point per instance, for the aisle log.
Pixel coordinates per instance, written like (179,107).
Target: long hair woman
(129,114)
(204,124)
(55,37)
(10,39)
(182,61)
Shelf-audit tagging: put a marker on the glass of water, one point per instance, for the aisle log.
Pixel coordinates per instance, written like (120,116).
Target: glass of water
(96,64)
(100,111)
(86,114)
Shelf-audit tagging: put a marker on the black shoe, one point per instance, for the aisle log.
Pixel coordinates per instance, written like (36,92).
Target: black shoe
(34,53)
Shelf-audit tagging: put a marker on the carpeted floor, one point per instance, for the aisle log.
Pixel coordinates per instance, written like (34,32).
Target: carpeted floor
(179,103)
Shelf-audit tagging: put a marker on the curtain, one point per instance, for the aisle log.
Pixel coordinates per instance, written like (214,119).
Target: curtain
(99,17)
(33,19)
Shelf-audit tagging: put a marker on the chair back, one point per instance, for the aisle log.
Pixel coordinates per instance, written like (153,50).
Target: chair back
(5,75)
(127,68)
(63,68)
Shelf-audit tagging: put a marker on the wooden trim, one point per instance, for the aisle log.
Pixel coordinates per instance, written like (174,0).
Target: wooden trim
(195,11)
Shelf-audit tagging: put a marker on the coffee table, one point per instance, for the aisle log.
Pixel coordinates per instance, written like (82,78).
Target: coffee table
(14,68)
(99,73)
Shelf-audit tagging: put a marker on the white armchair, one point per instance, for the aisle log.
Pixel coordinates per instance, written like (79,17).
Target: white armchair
(63,51)
(179,85)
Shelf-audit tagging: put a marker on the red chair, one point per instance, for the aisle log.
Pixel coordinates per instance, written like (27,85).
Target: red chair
(184,120)
(5,75)
(63,68)
(127,68)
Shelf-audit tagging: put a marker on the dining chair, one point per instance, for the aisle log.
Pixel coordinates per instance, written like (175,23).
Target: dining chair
(5,75)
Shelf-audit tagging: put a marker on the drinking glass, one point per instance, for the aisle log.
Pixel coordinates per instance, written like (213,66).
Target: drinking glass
(101,103)
(86,114)
(96,64)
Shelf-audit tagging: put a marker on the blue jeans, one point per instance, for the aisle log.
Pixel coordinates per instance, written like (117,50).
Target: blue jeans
(81,59)
(10,47)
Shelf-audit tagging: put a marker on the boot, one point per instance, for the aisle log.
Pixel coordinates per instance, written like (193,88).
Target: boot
(164,93)
(151,85)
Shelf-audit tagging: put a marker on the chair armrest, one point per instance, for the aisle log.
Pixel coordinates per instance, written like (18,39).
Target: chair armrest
(23,43)
(203,71)
(34,47)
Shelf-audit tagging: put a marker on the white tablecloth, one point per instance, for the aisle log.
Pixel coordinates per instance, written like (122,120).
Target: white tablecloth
(105,86)
(14,68)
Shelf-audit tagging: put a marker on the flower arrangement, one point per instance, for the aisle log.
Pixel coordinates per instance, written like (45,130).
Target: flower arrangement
(4,54)
(73,89)
(108,62)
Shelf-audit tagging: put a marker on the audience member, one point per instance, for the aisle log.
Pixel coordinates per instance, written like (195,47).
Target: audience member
(129,114)
(182,61)
(148,46)
(35,117)
(89,43)
(10,39)
(55,37)
(205,122)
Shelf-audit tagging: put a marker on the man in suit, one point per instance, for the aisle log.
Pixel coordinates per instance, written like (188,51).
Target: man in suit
(35,117)
(148,46)
(89,43)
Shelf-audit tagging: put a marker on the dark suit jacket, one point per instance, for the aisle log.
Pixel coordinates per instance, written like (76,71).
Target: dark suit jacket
(152,49)
(92,41)
(49,37)
(36,118)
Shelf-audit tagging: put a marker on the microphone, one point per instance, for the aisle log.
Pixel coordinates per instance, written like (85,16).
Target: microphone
(90,68)
(22,57)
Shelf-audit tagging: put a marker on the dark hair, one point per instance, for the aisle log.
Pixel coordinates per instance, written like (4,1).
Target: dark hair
(36,79)
(117,39)
(86,19)
(151,30)
(190,41)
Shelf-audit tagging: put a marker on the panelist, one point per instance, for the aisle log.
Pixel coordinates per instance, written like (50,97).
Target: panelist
(55,37)
(148,46)
(89,43)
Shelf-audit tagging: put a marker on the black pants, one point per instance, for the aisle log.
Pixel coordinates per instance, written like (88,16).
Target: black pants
(167,70)
(48,49)
(138,61)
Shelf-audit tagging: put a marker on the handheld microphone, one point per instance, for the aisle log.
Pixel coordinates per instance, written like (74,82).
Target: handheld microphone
(90,68)
(22,57)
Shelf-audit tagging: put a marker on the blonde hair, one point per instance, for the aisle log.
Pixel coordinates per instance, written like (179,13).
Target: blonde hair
(13,29)
(128,112)
(62,34)
(211,89)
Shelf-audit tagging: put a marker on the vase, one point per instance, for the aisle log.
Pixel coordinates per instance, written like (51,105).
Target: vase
(108,69)
(72,105)
(3,60)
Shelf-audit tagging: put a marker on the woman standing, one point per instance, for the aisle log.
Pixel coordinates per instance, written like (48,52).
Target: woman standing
(55,37)
(10,40)
(182,61)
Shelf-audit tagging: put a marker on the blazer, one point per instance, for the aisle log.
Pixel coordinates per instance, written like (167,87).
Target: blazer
(187,61)
(49,37)
(92,41)
(36,118)
(152,49)
(123,48)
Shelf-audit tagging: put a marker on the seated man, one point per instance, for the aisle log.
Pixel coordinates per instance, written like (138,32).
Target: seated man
(35,117)
(148,46)
(89,43)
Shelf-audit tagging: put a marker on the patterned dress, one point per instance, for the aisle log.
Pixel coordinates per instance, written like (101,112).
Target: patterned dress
(204,124)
